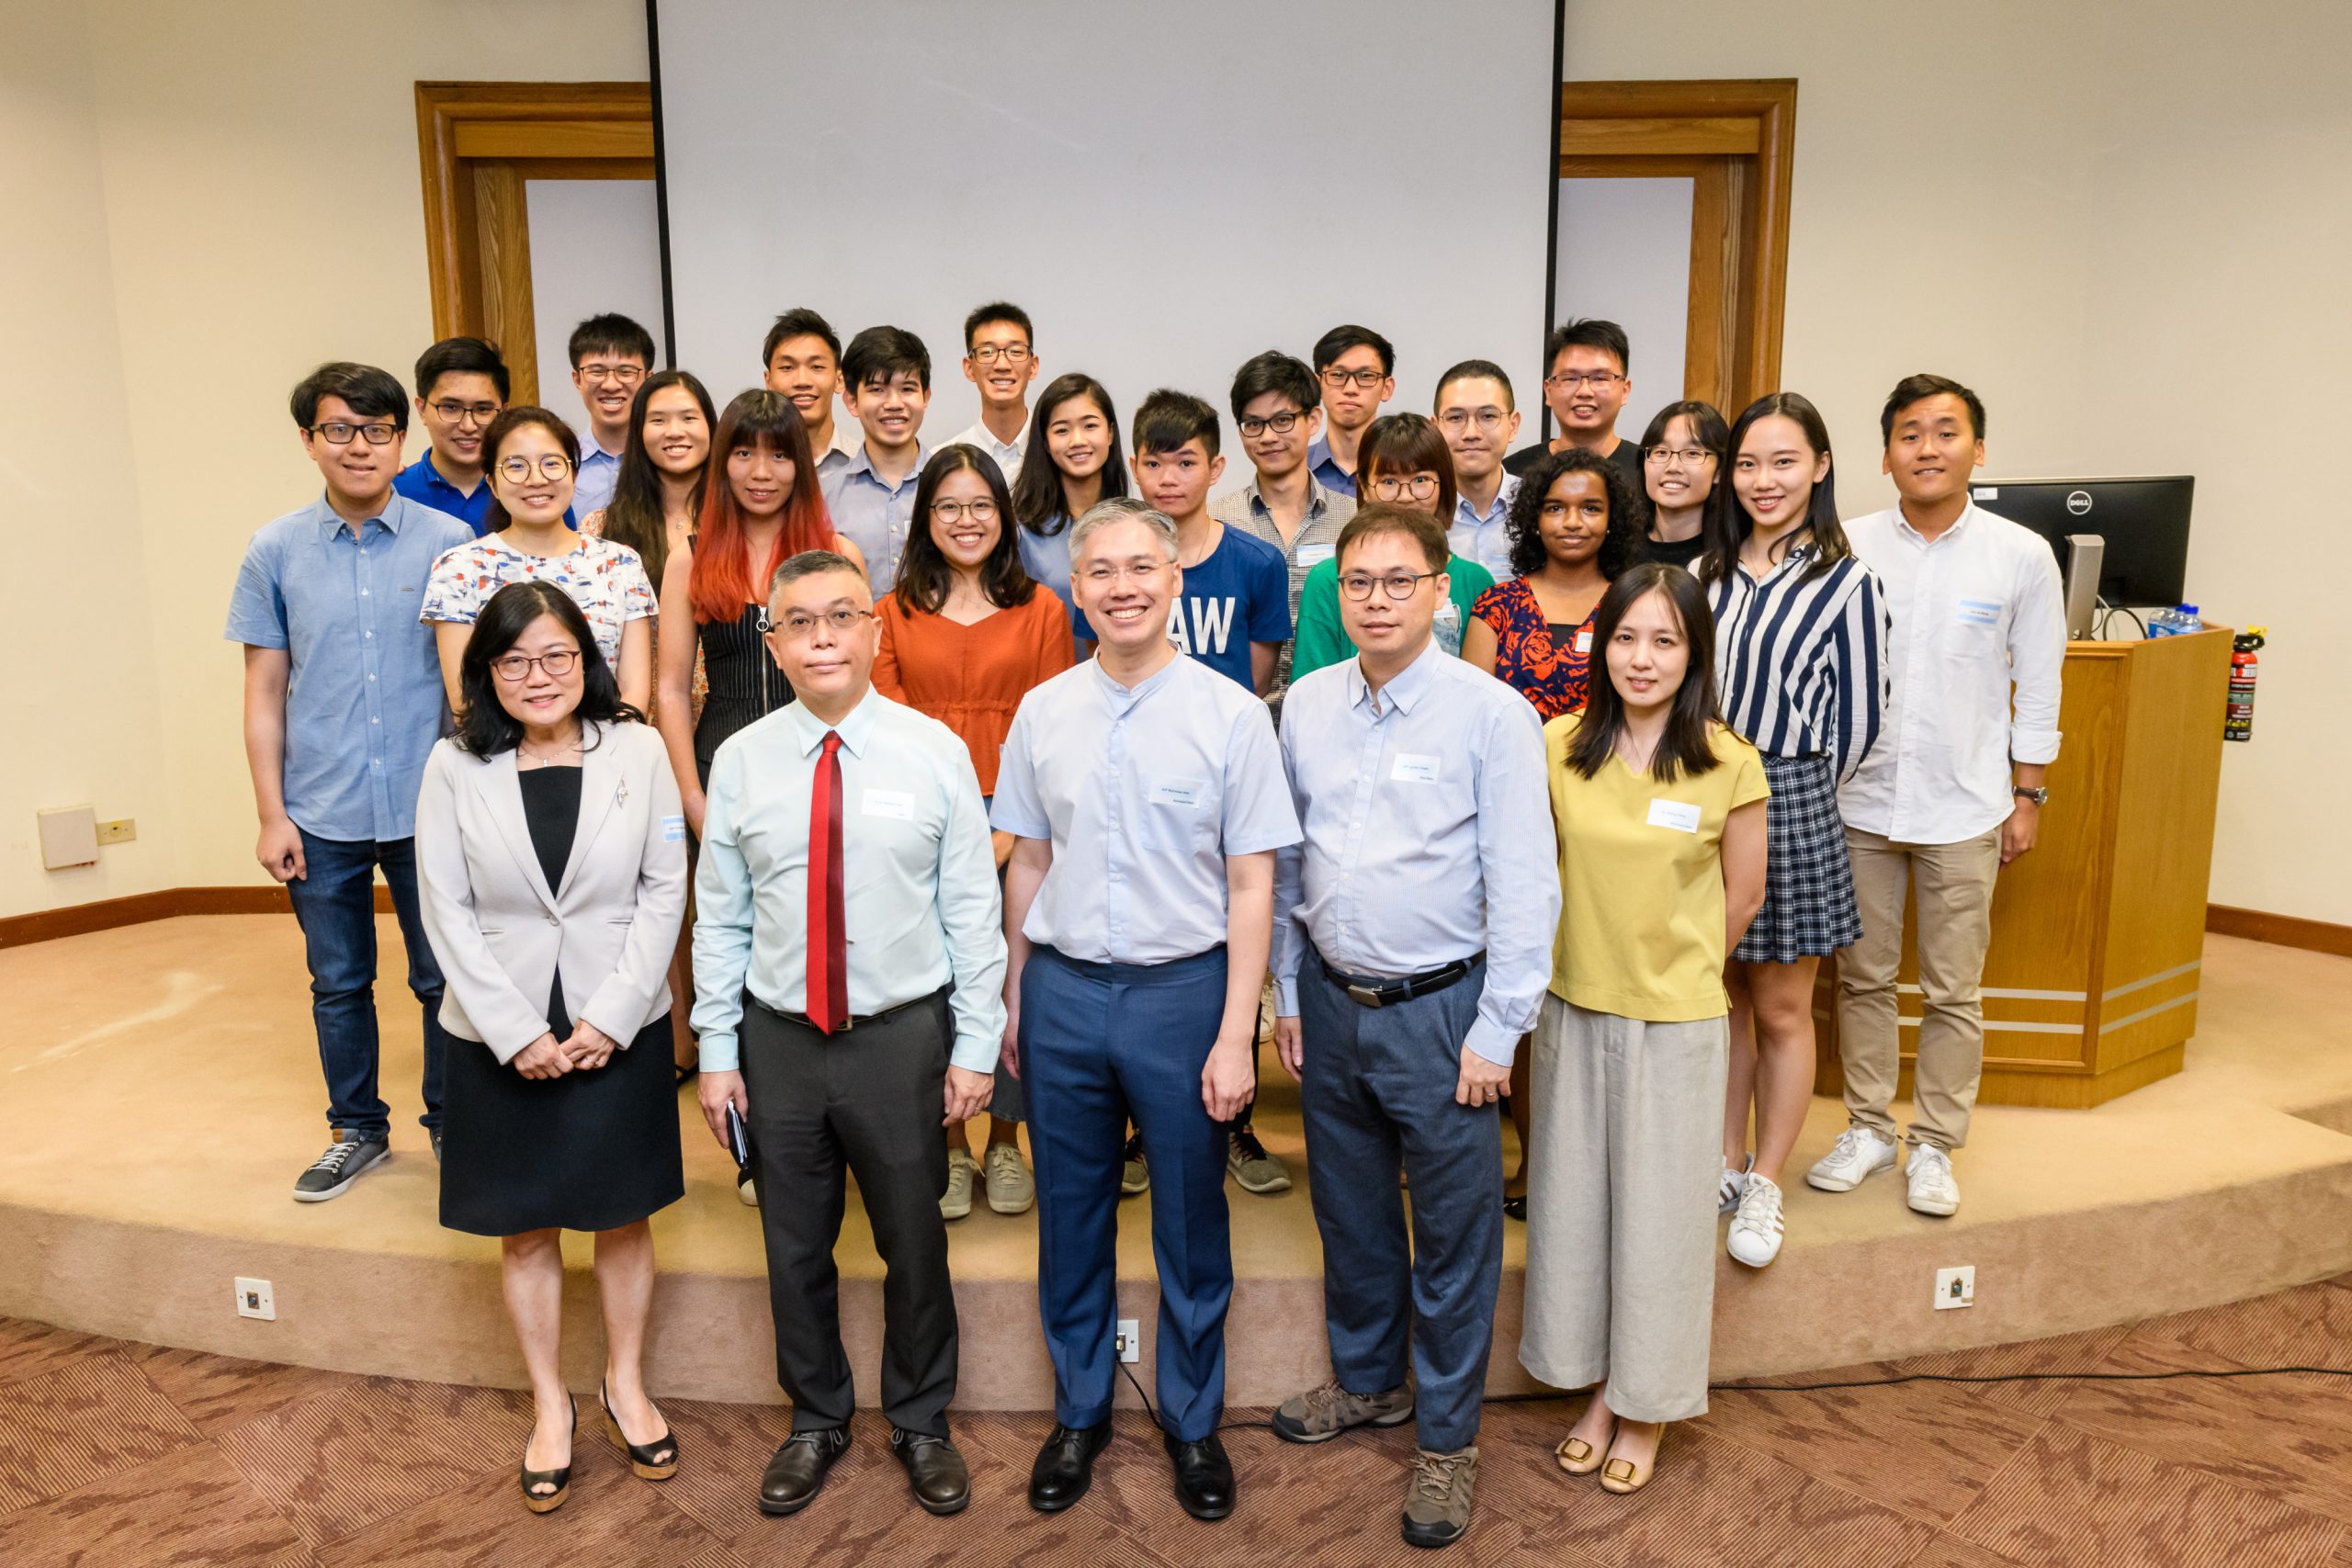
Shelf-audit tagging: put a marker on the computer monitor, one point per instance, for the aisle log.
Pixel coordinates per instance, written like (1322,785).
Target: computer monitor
(2144,520)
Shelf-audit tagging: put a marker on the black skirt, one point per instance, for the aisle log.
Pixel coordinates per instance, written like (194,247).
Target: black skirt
(589,1151)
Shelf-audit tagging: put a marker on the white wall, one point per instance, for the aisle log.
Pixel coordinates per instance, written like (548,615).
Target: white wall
(2125,225)
(596,246)
(1624,256)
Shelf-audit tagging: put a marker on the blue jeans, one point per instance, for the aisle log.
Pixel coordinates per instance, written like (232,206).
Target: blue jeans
(335,903)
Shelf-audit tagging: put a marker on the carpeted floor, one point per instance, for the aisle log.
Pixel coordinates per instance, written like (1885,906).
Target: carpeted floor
(115,1455)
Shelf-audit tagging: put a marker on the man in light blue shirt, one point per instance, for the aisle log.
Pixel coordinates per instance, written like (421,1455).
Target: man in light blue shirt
(611,355)
(886,381)
(1146,798)
(1413,934)
(849,963)
(343,703)
(1476,413)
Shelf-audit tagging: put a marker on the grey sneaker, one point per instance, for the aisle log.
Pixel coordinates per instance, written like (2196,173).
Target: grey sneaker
(1437,1499)
(1009,1188)
(1252,1167)
(956,1201)
(1321,1414)
(345,1162)
(1133,1175)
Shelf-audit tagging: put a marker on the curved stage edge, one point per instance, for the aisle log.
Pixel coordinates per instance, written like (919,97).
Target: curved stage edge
(159,1093)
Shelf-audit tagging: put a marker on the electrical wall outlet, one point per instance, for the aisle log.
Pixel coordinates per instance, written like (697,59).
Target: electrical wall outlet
(122,830)
(254,1299)
(1130,1339)
(1956,1287)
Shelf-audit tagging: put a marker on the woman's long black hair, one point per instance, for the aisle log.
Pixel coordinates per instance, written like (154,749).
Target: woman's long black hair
(924,574)
(633,517)
(1688,746)
(484,727)
(1037,488)
(1727,524)
(1629,518)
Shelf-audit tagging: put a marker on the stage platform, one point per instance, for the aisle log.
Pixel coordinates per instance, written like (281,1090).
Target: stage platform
(159,1093)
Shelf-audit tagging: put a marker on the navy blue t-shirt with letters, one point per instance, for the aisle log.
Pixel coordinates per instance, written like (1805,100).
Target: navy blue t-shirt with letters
(1240,594)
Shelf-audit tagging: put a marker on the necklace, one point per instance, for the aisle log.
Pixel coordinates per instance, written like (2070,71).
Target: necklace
(525,755)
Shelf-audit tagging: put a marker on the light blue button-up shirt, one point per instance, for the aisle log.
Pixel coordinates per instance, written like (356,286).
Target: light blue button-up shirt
(1424,806)
(592,486)
(1143,792)
(1327,470)
(1484,537)
(919,895)
(363,697)
(871,514)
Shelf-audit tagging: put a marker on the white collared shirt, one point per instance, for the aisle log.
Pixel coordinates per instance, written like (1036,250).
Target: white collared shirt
(1143,792)
(919,901)
(1007,454)
(1976,610)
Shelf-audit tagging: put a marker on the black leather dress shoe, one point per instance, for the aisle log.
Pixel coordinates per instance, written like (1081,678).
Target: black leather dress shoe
(1065,1466)
(1204,1476)
(934,1470)
(798,1473)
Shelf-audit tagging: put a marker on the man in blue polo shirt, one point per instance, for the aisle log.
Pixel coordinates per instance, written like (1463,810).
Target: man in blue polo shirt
(461,383)
(343,702)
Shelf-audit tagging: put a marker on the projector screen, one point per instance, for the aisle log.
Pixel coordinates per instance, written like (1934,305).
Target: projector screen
(1166,188)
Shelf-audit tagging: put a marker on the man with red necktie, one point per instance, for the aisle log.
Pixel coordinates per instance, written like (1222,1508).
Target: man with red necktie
(848,969)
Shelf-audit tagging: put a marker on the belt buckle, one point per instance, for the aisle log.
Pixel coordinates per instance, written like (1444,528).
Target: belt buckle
(1366,996)
(848,1023)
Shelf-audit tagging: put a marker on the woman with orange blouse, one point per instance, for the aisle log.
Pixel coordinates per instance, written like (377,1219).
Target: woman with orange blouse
(965,635)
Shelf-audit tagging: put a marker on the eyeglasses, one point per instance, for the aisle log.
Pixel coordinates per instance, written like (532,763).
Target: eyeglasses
(336,432)
(627,375)
(554,466)
(953,511)
(799,625)
(1459,419)
(1013,353)
(1281,424)
(1668,457)
(513,666)
(1397,586)
(1570,381)
(1590,511)
(1421,487)
(452,412)
(1101,576)
(1367,378)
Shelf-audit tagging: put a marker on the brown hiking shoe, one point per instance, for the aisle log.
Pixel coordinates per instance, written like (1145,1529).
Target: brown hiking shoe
(1437,1499)
(1321,1414)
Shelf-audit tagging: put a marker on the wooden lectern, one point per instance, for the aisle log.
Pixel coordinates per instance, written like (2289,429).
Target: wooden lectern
(2090,986)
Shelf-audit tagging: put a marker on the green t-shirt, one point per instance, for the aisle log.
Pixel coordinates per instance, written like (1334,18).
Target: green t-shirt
(1322,640)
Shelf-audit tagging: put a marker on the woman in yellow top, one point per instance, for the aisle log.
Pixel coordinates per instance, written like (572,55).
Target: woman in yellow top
(1659,814)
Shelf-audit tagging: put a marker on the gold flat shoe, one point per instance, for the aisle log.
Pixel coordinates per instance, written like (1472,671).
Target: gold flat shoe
(1576,1456)
(1623,1475)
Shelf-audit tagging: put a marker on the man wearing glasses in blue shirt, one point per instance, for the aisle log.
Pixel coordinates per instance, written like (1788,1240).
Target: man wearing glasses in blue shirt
(1357,369)
(610,355)
(461,383)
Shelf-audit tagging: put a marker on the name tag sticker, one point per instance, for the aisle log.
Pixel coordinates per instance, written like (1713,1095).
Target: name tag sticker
(1986,492)
(892,803)
(1413,769)
(1175,792)
(1978,612)
(672,829)
(1682,816)
(1313,555)
(1584,639)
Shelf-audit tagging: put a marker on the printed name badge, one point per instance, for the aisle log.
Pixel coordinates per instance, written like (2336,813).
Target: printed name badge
(1313,555)
(1978,612)
(1584,639)
(892,803)
(1174,792)
(1414,770)
(672,829)
(1681,815)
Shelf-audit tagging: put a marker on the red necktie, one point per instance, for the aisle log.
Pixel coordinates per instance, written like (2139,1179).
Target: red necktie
(828,958)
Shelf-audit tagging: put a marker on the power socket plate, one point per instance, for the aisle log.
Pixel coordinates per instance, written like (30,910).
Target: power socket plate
(255,1299)
(1956,1287)
(1130,1339)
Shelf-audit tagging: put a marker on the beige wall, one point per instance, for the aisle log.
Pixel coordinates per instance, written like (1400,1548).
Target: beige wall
(2126,225)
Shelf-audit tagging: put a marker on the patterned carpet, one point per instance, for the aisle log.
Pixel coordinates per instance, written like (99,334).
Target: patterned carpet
(115,1455)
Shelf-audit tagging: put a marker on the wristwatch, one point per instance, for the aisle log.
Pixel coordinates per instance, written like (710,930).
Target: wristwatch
(2039,796)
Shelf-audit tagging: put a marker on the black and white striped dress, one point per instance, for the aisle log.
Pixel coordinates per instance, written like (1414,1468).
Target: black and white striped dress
(1801,661)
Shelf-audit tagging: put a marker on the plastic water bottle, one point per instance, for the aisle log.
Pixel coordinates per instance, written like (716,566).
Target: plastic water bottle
(2162,623)
(2188,619)
(1449,627)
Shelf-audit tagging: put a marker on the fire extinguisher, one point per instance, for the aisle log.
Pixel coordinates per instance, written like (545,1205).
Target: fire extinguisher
(2243,667)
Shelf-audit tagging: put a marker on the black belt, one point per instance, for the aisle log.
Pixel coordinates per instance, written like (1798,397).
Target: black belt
(852,1021)
(1388,993)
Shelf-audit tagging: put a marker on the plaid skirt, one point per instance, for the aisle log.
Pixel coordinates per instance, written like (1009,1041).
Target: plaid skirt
(1808,884)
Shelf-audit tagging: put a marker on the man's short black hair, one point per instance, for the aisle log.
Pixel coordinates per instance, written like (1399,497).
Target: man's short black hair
(1472,371)
(1918,390)
(1286,375)
(800,322)
(999,311)
(1588,331)
(611,333)
(368,393)
(879,353)
(1168,418)
(460,357)
(1338,340)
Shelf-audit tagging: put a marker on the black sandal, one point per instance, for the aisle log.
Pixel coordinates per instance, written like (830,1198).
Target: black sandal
(548,1501)
(647,1460)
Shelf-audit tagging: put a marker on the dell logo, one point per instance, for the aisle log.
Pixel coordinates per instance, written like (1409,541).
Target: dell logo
(2077,502)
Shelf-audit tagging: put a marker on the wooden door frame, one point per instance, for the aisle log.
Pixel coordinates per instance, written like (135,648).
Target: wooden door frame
(478,143)
(1736,141)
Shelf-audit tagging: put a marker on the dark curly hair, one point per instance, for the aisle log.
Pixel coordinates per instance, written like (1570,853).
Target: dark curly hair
(484,727)
(1628,512)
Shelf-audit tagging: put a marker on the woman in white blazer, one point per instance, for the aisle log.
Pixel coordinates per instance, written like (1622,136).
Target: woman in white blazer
(550,852)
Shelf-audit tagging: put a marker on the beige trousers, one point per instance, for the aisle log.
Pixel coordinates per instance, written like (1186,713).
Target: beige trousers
(1626,1141)
(1955,883)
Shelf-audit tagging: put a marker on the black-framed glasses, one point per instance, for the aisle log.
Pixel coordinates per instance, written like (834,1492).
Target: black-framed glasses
(953,511)
(627,375)
(339,432)
(1397,586)
(1569,380)
(513,666)
(1014,353)
(1281,424)
(799,624)
(451,410)
(1421,487)
(1670,457)
(517,469)
(1335,377)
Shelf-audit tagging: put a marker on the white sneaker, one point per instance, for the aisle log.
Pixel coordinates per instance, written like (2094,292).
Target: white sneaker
(956,1201)
(1731,1185)
(1754,1237)
(1860,1154)
(1933,1190)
